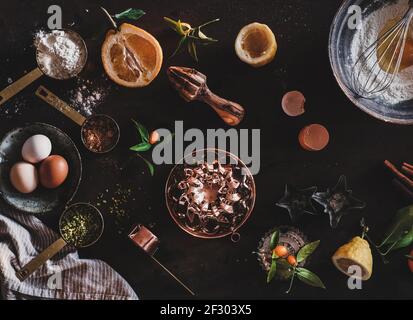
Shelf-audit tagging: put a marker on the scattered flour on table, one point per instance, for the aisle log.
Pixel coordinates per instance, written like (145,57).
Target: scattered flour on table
(402,86)
(13,107)
(88,95)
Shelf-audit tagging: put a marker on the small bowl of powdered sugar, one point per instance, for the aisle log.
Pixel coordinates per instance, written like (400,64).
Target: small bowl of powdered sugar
(60,54)
(350,37)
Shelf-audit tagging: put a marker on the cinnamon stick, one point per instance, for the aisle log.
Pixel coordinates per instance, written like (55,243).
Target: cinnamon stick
(408,165)
(407,171)
(402,188)
(398,174)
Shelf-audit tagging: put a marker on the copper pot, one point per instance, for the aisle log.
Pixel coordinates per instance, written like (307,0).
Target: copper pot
(210,194)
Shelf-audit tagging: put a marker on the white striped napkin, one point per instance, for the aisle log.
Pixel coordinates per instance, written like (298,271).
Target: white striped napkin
(65,276)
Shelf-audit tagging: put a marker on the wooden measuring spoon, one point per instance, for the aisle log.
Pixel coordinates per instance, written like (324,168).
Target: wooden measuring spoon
(192,85)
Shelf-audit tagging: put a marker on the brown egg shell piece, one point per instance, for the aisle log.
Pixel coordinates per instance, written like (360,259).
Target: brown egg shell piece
(314,137)
(293,103)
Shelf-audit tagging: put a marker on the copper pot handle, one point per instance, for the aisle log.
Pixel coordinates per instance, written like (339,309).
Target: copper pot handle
(235,237)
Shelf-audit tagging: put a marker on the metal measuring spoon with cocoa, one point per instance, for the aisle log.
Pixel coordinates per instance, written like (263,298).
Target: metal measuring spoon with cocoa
(99,133)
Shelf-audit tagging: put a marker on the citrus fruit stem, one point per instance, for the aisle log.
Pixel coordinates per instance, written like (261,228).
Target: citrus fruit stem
(291,282)
(110,18)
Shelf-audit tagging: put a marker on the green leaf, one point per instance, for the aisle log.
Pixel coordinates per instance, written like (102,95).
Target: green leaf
(208,23)
(307,250)
(274,239)
(284,269)
(272,271)
(190,36)
(180,44)
(141,147)
(309,278)
(192,50)
(133,14)
(172,23)
(203,37)
(142,131)
(401,227)
(404,242)
(179,28)
(176,25)
(150,166)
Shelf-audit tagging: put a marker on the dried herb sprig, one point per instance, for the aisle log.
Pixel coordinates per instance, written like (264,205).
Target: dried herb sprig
(191,37)
(301,273)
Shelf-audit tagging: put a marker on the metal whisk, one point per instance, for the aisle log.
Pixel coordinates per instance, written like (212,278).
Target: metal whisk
(391,45)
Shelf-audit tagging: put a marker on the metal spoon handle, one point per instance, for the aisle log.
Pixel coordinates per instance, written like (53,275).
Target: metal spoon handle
(38,261)
(173,276)
(60,105)
(19,85)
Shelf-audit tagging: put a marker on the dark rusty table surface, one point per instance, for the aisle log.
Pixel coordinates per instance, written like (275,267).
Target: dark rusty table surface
(220,268)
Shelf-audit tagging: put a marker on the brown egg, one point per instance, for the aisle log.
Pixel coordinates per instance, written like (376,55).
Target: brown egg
(23,176)
(53,172)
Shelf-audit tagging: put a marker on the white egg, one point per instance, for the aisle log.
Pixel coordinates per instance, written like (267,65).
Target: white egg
(36,148)
(23,176)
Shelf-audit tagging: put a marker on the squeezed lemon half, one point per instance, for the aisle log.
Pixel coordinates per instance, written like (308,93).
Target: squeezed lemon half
(355,253)
(256,44)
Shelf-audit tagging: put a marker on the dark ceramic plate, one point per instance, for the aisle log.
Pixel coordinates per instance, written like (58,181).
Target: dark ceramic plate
(42,200)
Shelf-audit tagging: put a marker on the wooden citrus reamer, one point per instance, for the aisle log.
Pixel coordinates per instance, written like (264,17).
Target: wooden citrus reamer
(192,85)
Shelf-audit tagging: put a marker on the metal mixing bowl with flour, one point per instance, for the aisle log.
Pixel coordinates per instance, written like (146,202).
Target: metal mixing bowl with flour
(346,42)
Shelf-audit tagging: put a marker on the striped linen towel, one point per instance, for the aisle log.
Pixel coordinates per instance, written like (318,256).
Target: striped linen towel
(65,276)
